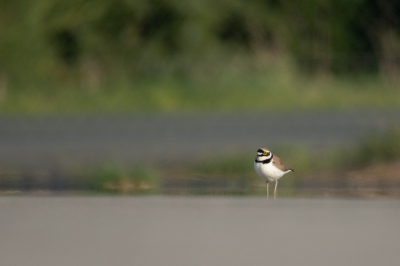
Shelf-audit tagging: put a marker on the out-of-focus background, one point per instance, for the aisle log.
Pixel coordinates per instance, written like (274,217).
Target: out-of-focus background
(175,97)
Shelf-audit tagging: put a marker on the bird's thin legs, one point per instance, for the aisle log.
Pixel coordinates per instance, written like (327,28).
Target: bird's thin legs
(267,189)
(276,184)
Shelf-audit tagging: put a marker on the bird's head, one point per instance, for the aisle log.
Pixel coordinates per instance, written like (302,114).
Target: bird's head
(263,154)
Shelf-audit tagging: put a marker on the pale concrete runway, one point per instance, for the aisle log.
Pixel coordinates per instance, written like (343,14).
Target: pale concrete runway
(104,231)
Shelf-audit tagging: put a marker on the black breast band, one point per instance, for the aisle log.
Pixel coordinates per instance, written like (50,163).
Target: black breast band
(265,161)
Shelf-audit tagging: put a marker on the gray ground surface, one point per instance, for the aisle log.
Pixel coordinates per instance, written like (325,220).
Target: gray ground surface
(40,141)
(92,231)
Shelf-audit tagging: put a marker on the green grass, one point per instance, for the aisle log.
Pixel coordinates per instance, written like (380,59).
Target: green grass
(227,175)
(267,89)
(114,179)
(374,149)
(308,164)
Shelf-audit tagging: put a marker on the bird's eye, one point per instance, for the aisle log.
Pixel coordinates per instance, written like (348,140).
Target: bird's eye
(265,153)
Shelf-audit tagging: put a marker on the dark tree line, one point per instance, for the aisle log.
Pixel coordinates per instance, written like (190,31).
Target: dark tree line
(55,38)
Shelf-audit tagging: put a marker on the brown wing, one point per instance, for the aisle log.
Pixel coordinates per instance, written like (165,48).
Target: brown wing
(278,163)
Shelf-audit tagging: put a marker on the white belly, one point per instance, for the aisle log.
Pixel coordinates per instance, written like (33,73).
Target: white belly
(268,171)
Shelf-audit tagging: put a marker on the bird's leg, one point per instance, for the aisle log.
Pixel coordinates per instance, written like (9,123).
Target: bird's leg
(267,189)
(276,184)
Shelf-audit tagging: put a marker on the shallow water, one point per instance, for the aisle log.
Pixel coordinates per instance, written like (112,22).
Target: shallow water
(154,230)
(47,142)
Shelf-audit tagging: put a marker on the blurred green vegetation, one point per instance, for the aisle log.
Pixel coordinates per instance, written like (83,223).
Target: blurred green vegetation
(168,55)
(252,93)
(233,174)
(375,149)
(223,175)
(113,179)
(328,167)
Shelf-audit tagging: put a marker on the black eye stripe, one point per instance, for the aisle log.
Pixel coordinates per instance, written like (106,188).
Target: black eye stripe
(260,150)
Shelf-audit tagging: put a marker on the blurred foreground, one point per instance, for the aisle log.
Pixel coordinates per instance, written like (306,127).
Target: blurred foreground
(197,231)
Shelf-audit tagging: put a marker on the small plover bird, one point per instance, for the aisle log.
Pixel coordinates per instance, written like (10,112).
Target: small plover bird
(269,167)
